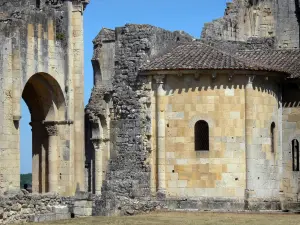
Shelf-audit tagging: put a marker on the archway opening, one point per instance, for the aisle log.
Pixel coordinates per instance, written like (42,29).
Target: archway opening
(25,147)
(45,101)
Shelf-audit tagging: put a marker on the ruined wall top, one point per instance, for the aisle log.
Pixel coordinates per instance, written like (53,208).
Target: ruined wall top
(39,4)
(244,19)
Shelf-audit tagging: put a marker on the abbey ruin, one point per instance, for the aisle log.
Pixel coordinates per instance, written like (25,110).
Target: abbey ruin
(173,122)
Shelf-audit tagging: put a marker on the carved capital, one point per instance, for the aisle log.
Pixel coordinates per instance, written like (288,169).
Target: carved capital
(51,129)
(17,118)
(80,5)
(160,79)
(96,143)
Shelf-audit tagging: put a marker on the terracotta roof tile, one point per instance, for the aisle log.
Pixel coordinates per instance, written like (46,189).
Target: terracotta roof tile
(197,55)
(280,60)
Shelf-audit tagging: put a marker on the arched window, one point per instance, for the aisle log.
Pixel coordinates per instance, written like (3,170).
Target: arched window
(201,136)
(295,154)
(273,137)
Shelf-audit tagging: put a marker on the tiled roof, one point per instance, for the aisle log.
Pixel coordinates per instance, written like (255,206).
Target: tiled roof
(197,56)
(280,60)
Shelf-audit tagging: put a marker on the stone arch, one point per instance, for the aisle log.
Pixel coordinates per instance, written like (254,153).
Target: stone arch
(45,100)
(44,97)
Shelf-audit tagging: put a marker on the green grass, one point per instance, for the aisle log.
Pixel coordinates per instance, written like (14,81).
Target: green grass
(189,218)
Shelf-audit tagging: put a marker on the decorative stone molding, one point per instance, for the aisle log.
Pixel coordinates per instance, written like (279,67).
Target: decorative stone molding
(79,5)
(214,76)
(51,129)
(62,122)
(17,118)
(96,143)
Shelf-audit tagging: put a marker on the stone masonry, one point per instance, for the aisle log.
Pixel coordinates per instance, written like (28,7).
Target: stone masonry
(140,123)
(41,61)
(244,19)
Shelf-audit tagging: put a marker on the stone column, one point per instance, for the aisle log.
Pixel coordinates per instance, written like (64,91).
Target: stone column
(160,135)
(52,157)
(98,164)
(249,123)
(37,140)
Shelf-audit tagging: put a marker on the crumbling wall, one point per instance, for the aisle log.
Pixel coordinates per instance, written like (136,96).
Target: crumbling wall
(287,23)
(25,207)
(127,175)
(244,19)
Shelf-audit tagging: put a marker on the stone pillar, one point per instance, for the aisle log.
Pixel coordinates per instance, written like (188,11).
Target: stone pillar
(98,164)
(37,141)
(160,135)
(78,90)
(249,123)
(52,157)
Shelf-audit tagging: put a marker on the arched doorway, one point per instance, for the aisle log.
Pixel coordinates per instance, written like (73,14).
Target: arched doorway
(46,104)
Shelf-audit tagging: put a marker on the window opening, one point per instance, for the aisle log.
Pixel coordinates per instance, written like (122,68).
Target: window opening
(295,154)
(201,136)
(273,137)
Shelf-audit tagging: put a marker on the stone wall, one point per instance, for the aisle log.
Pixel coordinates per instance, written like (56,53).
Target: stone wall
(127,175)
(25,207)
(264,158)
(218,172)
(243,19)
(241,164)
(290,185)
(287,14)
(22,207)
(261,19)
(41,61)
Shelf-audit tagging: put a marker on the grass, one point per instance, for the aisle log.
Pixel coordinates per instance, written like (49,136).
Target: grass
(189,218)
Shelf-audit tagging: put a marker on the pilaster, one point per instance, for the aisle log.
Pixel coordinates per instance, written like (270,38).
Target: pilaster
(52,132)
(160,135)
(98,164)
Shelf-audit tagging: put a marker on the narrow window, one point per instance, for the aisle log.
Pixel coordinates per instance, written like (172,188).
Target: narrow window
(295,154)
(273,137)
(201,136)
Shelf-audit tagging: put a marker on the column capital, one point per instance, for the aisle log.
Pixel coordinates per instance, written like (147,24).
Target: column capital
(51,129)
(160,79)
(96,143)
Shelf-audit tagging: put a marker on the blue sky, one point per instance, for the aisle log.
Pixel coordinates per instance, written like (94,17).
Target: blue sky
(187,15)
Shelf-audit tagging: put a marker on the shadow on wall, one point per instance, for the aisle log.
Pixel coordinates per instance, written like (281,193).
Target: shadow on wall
(206,83)
(291,95)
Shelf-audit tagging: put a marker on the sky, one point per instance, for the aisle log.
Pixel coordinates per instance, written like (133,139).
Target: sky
(186,15)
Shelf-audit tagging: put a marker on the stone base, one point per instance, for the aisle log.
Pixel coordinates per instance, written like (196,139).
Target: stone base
(206,204)
(83,208)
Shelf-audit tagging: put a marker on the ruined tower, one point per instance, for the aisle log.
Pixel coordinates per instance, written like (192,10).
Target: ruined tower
(41,61)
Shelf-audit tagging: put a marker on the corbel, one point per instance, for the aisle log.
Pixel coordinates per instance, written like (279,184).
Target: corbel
(214,76)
